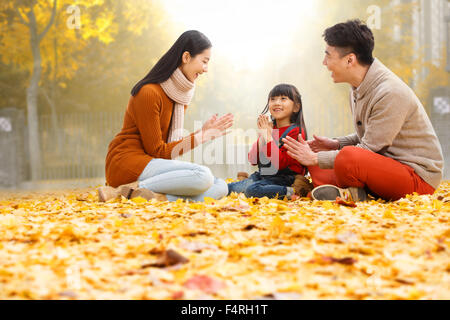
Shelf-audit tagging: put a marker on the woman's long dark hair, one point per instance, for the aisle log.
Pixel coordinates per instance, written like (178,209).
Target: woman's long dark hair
(191,41)
(292,93)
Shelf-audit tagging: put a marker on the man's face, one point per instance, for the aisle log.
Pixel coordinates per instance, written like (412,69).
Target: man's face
(336,64)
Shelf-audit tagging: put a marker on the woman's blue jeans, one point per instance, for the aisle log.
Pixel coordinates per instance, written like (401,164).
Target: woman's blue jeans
(182,180)
(258,186)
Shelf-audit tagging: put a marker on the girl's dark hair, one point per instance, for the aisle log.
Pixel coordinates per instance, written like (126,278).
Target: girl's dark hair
(292,93)
(191,41)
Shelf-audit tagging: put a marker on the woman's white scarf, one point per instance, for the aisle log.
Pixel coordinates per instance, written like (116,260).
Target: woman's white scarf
(181,90)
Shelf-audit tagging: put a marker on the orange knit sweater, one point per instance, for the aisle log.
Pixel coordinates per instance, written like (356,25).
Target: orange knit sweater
(143,136)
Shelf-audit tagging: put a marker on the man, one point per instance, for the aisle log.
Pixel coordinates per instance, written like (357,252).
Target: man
(394,151)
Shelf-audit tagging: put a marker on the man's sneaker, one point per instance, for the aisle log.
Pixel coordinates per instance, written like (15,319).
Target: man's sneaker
(330,193)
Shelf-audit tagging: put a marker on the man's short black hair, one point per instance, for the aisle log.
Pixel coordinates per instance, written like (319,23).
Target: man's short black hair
(352,36)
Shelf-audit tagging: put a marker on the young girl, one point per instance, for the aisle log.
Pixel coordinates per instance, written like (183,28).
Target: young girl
(277,170)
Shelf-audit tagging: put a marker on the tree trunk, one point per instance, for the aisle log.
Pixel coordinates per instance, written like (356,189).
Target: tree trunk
(32,97)
(52,98)
(33,91)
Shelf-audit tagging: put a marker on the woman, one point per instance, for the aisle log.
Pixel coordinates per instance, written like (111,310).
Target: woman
(140,158)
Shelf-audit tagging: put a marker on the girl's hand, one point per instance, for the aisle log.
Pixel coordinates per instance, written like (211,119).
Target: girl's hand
(323,144)
(264,123)
(216,127)
(265,128)
(259,122)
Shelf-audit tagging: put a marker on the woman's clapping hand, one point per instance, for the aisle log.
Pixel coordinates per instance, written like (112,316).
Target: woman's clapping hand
(216,127)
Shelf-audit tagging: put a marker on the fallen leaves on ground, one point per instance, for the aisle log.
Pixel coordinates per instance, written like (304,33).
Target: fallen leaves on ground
(347,203)
(66,245)
(205,284)
(166,259)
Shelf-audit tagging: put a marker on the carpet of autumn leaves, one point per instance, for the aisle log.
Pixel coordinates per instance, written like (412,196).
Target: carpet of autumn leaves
(66,245)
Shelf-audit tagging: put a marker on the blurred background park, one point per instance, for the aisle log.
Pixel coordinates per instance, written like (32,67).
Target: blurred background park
(67,68)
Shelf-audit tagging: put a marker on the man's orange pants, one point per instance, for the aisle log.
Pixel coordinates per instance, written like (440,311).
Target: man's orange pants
(383,176)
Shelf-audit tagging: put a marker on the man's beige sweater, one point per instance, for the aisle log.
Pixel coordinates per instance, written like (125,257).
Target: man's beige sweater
(390,120)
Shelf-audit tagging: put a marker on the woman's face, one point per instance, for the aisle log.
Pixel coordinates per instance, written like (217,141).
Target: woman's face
(282,107)
(192,67)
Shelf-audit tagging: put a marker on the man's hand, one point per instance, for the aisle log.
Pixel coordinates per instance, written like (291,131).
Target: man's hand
(300,151)
(323,144)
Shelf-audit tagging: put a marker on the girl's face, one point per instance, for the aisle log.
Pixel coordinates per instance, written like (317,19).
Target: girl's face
(281,107)
(192,67)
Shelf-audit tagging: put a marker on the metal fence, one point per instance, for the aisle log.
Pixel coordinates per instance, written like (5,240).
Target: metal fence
(440,117)
(13,155)
(75,146)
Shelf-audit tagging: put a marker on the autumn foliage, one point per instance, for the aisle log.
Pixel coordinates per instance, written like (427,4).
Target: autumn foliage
(66,245)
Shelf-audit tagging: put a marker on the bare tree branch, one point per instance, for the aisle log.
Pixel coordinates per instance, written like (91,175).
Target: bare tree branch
(46,96)
(22,20)
(52,18)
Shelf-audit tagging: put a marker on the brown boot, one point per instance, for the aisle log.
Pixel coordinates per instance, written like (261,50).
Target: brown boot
(133,185)
(242,176)
(302,186)
(107,193)
(147,194)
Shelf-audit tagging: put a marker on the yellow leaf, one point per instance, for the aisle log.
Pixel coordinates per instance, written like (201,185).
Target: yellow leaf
(209,200)
(365,216)
(196,206)
(415,294)
(139,200)
(117,222)
(282,207)
(437,205)
(295,219)
(328,205)
(277,226)
(155,235)
(293,287)
(178,223)
(388,214)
